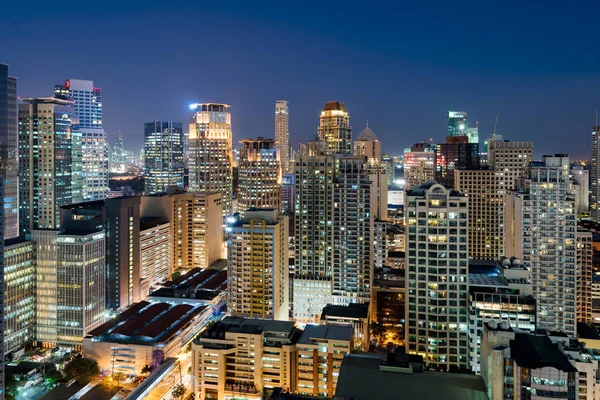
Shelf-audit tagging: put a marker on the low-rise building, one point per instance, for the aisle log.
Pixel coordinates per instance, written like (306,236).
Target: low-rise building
(147,333)
(354,315)
(239,357)
(321,350)
(522,365)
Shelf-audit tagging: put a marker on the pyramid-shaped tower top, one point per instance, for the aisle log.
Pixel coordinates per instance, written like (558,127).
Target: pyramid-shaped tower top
(367,135)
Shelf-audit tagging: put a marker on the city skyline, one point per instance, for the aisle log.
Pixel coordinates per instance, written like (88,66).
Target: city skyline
(406,75)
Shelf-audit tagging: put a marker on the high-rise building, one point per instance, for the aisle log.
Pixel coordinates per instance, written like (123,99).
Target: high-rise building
(540,228)
(287,194)
(163,156)
(334,225)
(585,273)
(595,173)
(80,280)
(367,144)
(259,175)
(457,123)
(282,134)
(419,164)
(353,226)
(46,289)
(196,226)
(118,218)
(486,211)
(156,253)
(19,294)
(88,112)
(510,159)
(9,168)
(211,153)
(334,128)
(580,181)
(2,289)
(258,274)
(45,162)
(314,231)
(457,153)
(437,276)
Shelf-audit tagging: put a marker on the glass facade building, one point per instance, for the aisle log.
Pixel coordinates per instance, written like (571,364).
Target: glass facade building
(163,156)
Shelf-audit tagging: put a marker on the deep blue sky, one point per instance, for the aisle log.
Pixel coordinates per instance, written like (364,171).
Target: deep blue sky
(399,64)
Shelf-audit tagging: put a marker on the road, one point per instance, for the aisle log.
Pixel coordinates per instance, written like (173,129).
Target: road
(163,391)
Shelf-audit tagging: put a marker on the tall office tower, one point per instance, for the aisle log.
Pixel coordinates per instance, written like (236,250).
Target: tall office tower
(287,194)
(511,159)
(585,273)
(486,211)
(334,128)
(45,163)
(163,156)
(367,144)
(119,149)
(580,181)
(259,175)
(437,276)
(353,225)
(46,289)
(456,153)
(119,219)
(156,253)
(541,229)
(211,153)
(595,173)
(419,164)
(457,123)
(314,231)
(258,275)
(88,110)
(196,226)
(19,294)
(282,134)
(388,163)
(76,167)
(9,168)
(80,281)
(378,176)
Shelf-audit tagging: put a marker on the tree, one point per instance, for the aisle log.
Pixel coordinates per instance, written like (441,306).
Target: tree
(82,369)
(147,370)
(178,391)
(52,377)
(175,275)
(10,384)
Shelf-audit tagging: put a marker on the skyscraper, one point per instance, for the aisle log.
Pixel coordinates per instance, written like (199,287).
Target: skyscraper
(419,164)
(282,134)
(334,128)
(595,174)
(458,126)
(8,152)
(163,155)
(88,111)
(211,153)
(367,144)
(45,162)
(585,272)
(541,229)
(511,159)
(456,153)
(2,288)
(437,276)
(259,175)
(258,275)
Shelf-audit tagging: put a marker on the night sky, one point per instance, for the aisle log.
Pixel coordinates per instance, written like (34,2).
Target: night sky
(400,65)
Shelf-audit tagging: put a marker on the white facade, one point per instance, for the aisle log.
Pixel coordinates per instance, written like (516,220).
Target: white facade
(540,228)
(282,135)
(437,276)
(156,254)
(581,187)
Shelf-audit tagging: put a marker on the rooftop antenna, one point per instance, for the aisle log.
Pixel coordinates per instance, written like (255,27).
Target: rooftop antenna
(496,124)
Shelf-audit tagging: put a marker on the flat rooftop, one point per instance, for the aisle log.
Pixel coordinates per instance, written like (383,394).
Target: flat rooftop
(352,310)
(325,332)
(147,323)
(250,326)
(362,379)
(538,351)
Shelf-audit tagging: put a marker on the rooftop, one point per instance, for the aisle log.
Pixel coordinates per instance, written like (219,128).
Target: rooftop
(362,378)
(367,135)
(352,310)
(147,322)
(253,326)
(334,105)
(538,351)
(319,332)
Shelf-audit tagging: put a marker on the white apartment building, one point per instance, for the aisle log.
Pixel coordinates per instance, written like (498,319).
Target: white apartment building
(437,276)
(156,252)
